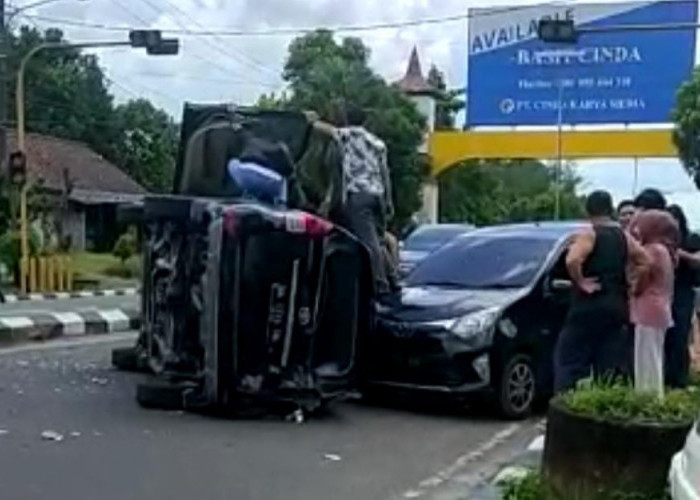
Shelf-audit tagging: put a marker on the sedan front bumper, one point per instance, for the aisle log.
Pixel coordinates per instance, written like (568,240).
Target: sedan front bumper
(426,358)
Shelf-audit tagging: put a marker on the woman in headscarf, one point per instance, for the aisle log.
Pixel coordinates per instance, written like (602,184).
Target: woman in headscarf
(651,313)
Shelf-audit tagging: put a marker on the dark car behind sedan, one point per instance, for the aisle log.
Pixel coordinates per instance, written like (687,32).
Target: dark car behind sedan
(424,241)
(479,315)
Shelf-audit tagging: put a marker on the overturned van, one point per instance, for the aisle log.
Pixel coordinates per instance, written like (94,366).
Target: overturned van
(245,305)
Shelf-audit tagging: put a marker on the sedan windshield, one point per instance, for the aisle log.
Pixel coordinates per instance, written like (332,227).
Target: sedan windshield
(484,262)
(431,238)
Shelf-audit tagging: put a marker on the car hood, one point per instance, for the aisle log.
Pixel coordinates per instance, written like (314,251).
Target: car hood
(420,304)
(412,256)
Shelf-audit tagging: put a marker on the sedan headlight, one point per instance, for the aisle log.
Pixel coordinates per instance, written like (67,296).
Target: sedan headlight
(477,327)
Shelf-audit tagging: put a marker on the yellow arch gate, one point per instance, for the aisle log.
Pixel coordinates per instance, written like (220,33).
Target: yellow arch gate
(448,148)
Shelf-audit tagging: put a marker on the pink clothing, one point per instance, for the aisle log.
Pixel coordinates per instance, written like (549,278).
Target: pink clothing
(652,306)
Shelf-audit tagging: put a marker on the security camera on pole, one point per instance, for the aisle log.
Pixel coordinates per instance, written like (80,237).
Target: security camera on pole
(154,44)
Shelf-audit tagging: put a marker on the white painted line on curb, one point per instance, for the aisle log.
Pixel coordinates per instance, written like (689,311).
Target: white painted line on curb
(537,444)
(86,294)
(131,291)
(11,299)
(116,319)
(63,295)
(36,296)
(73,324)
(109,293)
(14,322)
(449,472)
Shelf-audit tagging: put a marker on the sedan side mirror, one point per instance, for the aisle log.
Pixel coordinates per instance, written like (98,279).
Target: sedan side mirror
(561,285)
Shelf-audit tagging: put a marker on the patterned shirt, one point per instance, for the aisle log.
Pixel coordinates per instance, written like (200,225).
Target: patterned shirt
(364,162)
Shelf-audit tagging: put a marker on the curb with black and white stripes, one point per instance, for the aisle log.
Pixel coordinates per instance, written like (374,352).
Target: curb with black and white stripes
(530,458)
(50,325)
(12,298)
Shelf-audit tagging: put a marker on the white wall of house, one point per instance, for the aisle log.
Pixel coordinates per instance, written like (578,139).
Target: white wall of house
(73,221)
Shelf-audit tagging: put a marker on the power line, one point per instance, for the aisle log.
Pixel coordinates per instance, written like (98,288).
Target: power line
(128,10)
(236,56)
(227,81)
(224,32)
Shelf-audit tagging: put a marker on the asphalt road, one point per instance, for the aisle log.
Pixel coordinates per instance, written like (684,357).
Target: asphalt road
(30,307)
(112,449)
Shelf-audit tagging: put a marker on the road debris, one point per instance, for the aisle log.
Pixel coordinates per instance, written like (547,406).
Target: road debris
(52,436)
(331,457)
(296,416)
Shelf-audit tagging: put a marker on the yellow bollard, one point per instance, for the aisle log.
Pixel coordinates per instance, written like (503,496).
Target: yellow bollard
(42,274)
(69,273)
(32,274)
(59,273)
(50,274)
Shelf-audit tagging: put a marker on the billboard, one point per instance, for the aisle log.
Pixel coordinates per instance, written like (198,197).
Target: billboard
(607,77)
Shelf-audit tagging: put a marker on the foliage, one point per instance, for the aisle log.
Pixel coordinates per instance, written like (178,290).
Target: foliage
(126,246)
(527,487)
(147,144)
(532,486)
(488,192)
(67,96)
(325,75)
(686,117)
(11,249)
(620,402)
(105,269)
(449,102)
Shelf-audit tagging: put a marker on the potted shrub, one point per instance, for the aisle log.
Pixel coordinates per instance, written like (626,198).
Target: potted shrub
(604,441)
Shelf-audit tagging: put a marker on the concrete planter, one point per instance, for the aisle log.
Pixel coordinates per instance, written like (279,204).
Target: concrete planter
(590,459)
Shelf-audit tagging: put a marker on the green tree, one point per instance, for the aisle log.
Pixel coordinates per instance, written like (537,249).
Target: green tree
(67,96)
(448,102)
(686,117)
(323,75)
(488,192)
(66,93)
(146,144)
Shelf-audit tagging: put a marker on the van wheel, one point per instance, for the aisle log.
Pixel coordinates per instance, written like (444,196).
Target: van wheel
(162,395)
(517,388)
(125,359)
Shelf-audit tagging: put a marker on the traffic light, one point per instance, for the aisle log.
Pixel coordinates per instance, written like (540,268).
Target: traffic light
(18,168)
(166,47)
(154,43)
(557,31)
(145,38)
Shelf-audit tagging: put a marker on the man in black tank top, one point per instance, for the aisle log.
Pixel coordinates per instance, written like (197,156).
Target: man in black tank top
(598,262)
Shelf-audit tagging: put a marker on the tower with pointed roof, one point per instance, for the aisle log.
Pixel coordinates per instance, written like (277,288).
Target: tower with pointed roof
(417,88)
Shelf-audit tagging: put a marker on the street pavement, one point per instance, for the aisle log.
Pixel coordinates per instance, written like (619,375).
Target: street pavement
(111,449)
(30,307)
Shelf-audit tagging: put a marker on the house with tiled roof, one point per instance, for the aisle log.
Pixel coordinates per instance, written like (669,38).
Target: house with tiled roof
(94,188)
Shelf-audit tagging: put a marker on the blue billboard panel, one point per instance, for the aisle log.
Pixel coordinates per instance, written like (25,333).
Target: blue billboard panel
(607,77)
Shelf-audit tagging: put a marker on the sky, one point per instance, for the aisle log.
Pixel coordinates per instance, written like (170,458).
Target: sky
(239,69)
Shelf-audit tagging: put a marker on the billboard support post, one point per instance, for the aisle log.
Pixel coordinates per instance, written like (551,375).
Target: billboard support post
(559,166)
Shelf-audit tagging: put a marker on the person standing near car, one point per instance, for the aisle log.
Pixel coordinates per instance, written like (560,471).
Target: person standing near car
(677,355)
(593,336)
(651,312)
(368,202)
(625,213)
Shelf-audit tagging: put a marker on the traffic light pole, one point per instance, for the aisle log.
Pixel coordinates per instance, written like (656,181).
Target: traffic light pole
(157,47)
(4,52)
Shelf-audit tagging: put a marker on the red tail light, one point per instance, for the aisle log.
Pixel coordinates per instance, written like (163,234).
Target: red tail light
(303,223)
